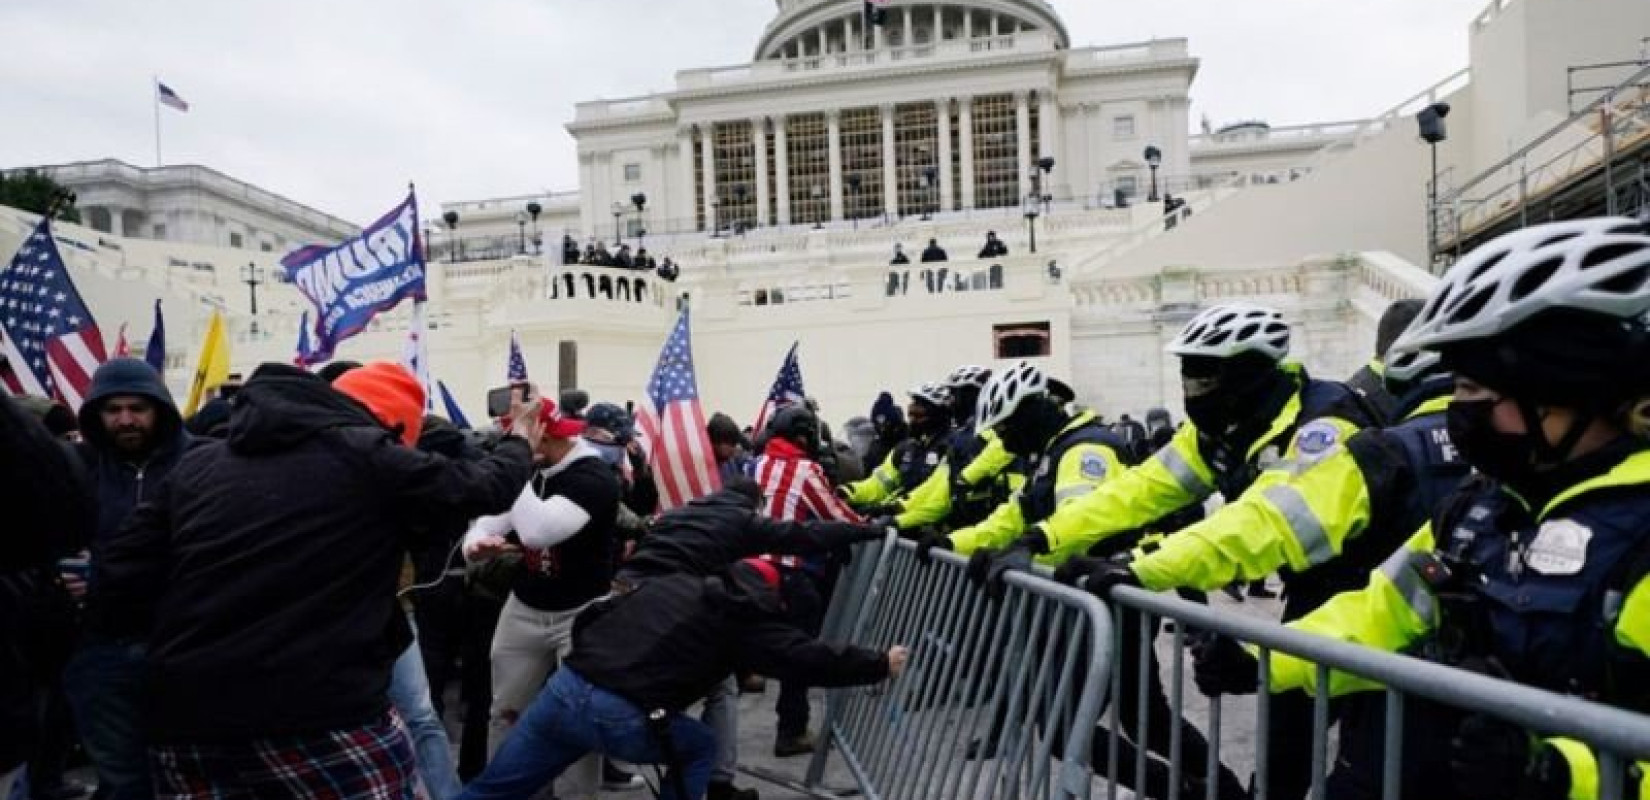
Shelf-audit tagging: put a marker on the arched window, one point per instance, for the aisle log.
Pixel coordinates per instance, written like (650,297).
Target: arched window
(568,279)
(624,289)
(641,290)
(607,287)
(590,285)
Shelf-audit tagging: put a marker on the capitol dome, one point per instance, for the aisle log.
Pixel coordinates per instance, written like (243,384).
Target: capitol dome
(815,27)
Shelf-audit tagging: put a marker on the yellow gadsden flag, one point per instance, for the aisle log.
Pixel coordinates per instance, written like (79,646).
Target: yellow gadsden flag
(213,368)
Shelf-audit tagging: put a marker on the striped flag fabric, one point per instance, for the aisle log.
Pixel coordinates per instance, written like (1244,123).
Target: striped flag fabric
(517,371)
(683,463)
(786,391)
(155,351)
(169,98)
(51,343)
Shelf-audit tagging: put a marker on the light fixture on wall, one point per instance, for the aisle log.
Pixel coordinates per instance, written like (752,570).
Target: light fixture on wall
(1154,159)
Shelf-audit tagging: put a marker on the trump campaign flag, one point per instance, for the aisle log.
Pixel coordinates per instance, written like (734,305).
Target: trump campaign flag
(155,351)
(786,391)
(50,341)
(683,463)
(361,278)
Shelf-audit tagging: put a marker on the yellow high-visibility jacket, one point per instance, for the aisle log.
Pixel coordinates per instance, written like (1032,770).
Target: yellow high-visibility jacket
(930,503)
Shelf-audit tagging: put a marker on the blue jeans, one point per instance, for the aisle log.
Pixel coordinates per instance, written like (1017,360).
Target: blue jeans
(572,718)
(410,694)
(106,683)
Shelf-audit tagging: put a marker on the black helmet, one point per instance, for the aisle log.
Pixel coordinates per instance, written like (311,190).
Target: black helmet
(797,424)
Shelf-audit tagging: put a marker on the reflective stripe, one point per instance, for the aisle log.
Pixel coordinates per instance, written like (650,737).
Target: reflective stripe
(889,482)
(1181,469)
(1073,492)
(1403,568)
(1302,521)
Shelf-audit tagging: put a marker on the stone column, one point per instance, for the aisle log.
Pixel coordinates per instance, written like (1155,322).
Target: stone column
(833,139)
(968,23)
(890,164)
(942,130)
(1022,124)
(939,25)
(759,148)
(682,203)
(782,170)
(965,140)
(910,29)
(1049,120)
(707,134)
(824,44)
(1084,152)
(117,221)
(849,42)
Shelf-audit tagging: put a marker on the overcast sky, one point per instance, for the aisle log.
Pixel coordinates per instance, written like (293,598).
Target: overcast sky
(337,103)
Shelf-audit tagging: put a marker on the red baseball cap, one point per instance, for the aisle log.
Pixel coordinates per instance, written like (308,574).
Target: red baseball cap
(557,424)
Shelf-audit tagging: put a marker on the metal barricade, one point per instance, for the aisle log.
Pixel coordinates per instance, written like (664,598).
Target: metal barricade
(1618,737)
(1016,682)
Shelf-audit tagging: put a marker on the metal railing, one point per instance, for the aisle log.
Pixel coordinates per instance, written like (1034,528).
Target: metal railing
(1019,680)
(1616,735)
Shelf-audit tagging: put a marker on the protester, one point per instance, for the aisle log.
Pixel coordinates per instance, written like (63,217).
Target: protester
(134,438)
(994,247)
(732,450)
(899,255)
(262,577)
(564,521)
(934,253)
(641,657)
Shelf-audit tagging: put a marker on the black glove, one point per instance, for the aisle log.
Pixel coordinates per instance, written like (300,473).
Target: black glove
(1075,569)
(1222,666)
(979,566)
(1490,758)
(1105,573)
(884,523)
(930,541)
(1016,558)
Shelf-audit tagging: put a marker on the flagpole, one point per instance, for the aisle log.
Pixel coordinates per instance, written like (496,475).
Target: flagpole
(154,98)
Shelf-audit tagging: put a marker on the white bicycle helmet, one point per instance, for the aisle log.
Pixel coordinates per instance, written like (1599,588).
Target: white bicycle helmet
(1006,390)
(1232,329)
(968,375)
(1407,366)
(932,394)
(1595,265)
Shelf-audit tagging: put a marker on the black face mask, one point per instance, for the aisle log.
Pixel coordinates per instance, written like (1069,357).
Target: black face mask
(1215,405)
(1030,428)
(1506,457)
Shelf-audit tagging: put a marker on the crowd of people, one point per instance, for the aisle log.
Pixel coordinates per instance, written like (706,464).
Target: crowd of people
(275,606)
(596,254)
(933,253)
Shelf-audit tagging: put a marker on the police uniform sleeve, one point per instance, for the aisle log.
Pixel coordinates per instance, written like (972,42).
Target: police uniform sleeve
(992,460)
(1392,612)
(878,488)
(1083,470)
(995,532)
(1288,518)
(1172,478)
(928,503)
(1632,633)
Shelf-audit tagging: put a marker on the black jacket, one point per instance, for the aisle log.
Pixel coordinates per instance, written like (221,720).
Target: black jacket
(668,642)
(119,485)
(264,571)
(707,535)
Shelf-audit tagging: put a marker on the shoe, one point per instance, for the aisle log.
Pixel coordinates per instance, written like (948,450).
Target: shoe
(787,746)
(1234,591)
(618,780)
(727,791)
(1258,589)
(753,684)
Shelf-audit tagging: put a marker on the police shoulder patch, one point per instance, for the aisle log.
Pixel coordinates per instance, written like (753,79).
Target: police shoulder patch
(1093,466)
(933,459)
(1315,440)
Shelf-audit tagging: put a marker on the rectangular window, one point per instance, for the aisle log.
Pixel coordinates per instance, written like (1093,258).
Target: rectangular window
(996,153)
(632,173)
(862,163)
(236,240)
(807,145)
(917,149)
(266,247)
(735,175)
(1022,340)
(1122,127)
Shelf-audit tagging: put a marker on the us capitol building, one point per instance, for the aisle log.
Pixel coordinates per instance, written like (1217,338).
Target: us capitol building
(782,186)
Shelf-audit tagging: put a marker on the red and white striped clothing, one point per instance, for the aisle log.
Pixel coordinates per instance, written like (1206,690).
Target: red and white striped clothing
(794,488)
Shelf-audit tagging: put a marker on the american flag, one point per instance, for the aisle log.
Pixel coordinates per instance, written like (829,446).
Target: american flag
(683,463)
(52,344)
(518,365)
(170,98)
(786,391)
(416,355)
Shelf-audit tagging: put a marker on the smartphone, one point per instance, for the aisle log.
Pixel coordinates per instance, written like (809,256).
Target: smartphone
(498,400)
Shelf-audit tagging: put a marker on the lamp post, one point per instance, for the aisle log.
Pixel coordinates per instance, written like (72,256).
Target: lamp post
(521,233)
(252,275)
(1433,131)
(639,200)
(930,186)
(451,218)
(618,211)
(1033,206)
(715,224)
(1045,187)
(818,194)
(533,210)
(1154,159)
(854,182)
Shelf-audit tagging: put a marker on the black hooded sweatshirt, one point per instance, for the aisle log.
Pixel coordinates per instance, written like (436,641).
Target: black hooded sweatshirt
(710,533)
(120,483)
(264,571)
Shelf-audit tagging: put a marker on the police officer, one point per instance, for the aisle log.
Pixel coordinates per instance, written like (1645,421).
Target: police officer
(912,461)
(1535,570)
(976,474)
(1251,413)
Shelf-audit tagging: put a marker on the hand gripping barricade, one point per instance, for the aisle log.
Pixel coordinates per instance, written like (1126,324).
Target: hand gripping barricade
(1020,680)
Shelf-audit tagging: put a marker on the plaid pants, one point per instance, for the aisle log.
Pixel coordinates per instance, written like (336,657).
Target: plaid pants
(371,762)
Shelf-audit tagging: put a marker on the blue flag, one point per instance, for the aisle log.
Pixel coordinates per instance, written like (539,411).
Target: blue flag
(517,371)
(303,359)
(454,413)
(155,353)
(361,278)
